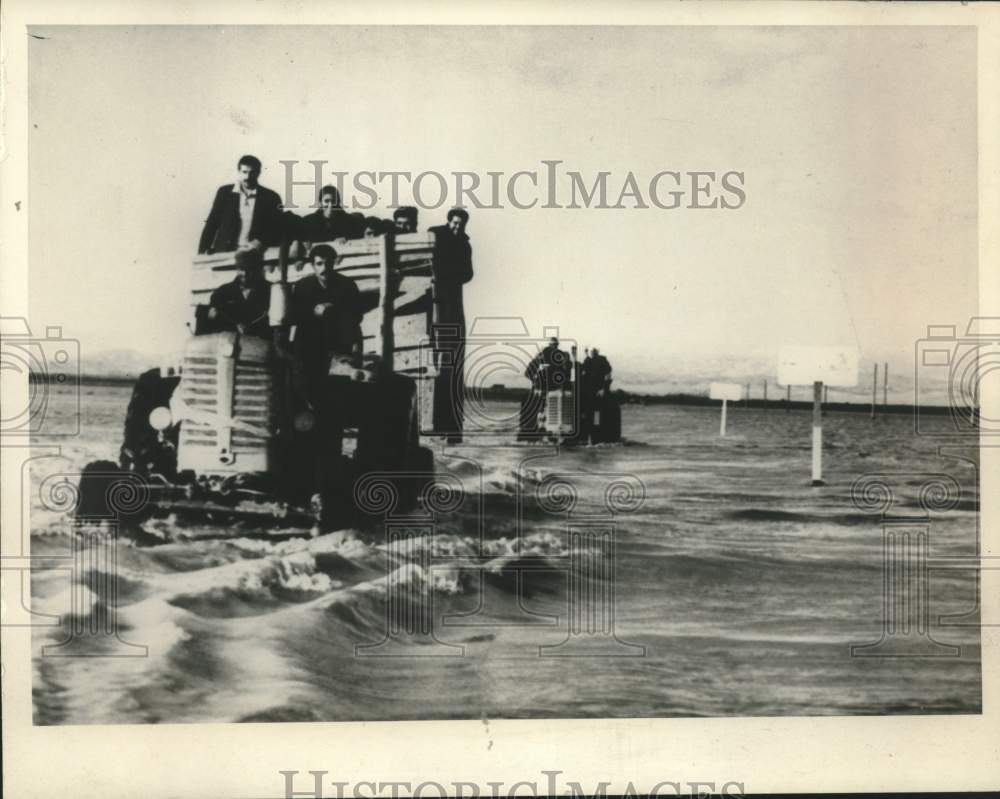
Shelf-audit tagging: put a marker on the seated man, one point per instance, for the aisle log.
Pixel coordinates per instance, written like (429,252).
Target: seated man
(375,227)
(329,223)
(241,305)
(244,215)
(405,219)
(358,223)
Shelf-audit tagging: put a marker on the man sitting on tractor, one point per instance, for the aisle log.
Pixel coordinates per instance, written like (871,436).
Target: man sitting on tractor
(241,305)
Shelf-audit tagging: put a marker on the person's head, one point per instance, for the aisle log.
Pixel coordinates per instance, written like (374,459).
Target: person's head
(248,170)
(329,199)
(405,219)
(323,258)
(458,218)
(594,352)
(249,267)
(373,227)
(553,343)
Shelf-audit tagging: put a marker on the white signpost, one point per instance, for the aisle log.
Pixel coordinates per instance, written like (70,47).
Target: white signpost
(819,366)
(725,392)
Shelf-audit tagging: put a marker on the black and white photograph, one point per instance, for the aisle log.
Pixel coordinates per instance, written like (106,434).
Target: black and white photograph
(413,373)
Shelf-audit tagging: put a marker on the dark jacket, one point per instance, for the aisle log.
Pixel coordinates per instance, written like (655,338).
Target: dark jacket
(315,227)
(222,228)
(235,310)
(549,369)
(339,329)
(452,270)
(595,373)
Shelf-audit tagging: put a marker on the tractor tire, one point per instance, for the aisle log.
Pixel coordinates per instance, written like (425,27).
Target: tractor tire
(142,451)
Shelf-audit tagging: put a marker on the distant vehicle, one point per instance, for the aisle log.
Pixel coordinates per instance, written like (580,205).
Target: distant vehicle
(564,413)
(222,435)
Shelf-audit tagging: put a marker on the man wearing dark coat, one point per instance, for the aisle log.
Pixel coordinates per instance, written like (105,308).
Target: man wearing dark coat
(452,270)
(242,304)
(329,223)
(549,369)
(326,310)
(244,215)
(597,371)
(595,385)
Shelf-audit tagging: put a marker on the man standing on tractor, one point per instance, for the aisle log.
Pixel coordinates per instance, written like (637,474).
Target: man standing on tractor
(452,270)
(244,214)
(595,388)
(326,312)
(549,369)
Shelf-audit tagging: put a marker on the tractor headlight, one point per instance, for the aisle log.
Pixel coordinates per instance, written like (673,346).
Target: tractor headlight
(160,418)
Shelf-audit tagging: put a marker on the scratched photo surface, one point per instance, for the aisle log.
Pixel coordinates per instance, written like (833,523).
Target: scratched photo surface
(769,234)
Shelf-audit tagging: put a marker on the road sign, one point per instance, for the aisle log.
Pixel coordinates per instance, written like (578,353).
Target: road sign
(725,391)
(804,366)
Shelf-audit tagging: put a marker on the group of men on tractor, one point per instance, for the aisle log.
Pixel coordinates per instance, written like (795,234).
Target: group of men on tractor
(325,309)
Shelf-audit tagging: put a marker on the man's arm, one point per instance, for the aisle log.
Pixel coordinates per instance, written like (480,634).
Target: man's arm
(211,224)
(219,318)
(359,314)
(301,308)
(466,265)
(272,219)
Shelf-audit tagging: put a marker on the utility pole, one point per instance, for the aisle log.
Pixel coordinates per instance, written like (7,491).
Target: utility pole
(817,435)
(885,383)
(874,390)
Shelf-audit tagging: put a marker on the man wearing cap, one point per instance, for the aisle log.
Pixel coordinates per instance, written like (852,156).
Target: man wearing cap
(452,270)
(244,215)
(242,304)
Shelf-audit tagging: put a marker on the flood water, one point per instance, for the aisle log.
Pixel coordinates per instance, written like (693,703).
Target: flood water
(677,574)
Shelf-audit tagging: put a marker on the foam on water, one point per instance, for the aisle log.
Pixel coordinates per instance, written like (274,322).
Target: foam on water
(745,586)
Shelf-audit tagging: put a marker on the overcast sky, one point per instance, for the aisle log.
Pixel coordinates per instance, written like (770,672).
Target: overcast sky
(858,147)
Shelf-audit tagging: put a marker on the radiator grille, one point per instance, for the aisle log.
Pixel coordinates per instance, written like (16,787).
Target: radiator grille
(240,389)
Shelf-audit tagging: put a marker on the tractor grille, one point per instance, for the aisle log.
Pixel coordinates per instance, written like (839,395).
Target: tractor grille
(239,388)
(252,404)
(200,391)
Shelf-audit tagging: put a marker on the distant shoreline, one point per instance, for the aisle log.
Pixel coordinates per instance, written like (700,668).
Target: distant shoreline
(634,398)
